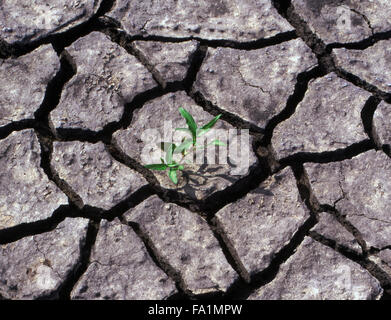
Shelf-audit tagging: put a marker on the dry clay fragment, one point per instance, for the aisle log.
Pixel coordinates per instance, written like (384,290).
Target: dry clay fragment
(262,223)
(170,60)
(344,21)
(256,84)
(382,123)
(107,78)
(184,240)
(26,20)
(240,20)
(23,83)
(121,269)
(155,122)
(36,266)
(328,118)
(26,193)
(90,171)
(359,188)
(371,64)
(317,272)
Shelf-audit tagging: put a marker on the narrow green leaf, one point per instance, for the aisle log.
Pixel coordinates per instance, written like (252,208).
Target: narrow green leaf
(190,122)
(172,175)
(208,126)
(161,159)
(158,166)
(218,143)
(183,146)
(169,153)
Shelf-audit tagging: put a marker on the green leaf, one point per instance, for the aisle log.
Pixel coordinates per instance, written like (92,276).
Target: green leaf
(169,153)
(172,165)
(183,146)
(208,126)
(158,166)
(172,175)
(183,129)
(161,159)
(218,143)
(190,122)
(176,166)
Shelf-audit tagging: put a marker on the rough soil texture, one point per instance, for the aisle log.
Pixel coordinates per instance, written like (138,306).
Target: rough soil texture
(307,216)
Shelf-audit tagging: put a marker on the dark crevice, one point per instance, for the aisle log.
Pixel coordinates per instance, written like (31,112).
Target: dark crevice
(329,156)
(362,260)
(197,58)
(348,226)
(357,81)
(256,175)
(266,156)
(229,117)
(160,261)
(212,43)
(22,230)
(229,250)
(53,94)
(286,10)
(367,21)
(241,290)
(132,49)
(305,190)
(302,82)
(385,248)
(367,119)
(362,44)
(20,125)
(86,247)
(5,49)
(58,40)
(97,214)
(386,149)
(212,204)
(46,155)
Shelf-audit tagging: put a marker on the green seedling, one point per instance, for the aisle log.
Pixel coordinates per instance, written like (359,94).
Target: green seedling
(185,147)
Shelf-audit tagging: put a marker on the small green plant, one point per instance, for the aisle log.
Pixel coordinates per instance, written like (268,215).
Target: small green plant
(185,147)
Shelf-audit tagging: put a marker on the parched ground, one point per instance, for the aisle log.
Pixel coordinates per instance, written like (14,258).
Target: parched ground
(81,218)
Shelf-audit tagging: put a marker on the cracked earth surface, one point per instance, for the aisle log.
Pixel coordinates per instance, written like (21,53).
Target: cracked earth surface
(81,218)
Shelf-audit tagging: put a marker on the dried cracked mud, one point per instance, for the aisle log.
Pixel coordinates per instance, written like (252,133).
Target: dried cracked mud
(82,218)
